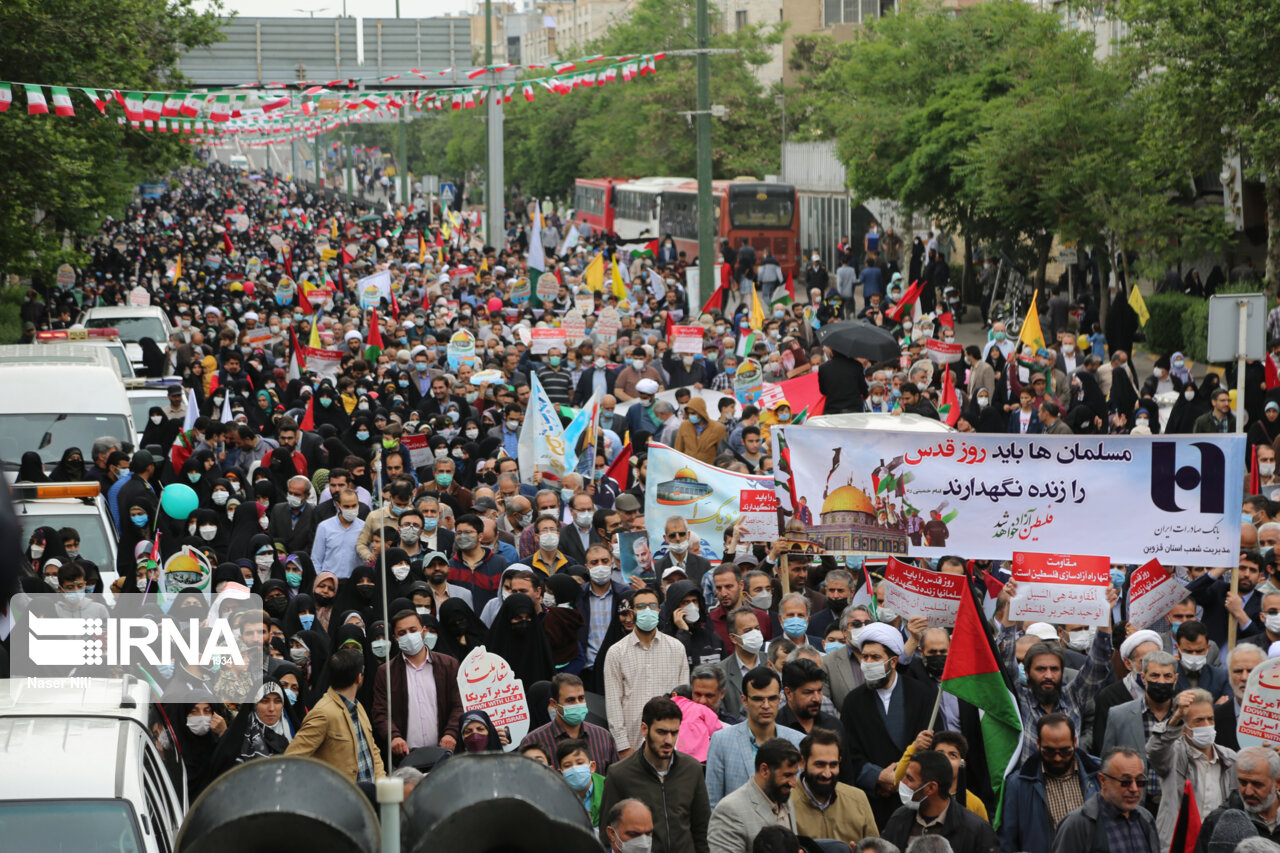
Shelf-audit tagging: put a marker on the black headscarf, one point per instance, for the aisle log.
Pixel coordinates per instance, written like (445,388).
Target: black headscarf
(67,470)
(494,744)
(32,469)
(162,433)
(459,623)
(527,650)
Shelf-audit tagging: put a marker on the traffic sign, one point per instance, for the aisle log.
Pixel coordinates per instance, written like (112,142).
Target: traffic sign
(447,192)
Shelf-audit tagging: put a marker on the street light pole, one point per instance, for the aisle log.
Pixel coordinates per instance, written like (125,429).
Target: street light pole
(706,221)
(493,181)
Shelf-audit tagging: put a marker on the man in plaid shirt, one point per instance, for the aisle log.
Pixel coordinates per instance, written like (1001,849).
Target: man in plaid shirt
(723,380)
(1044,692)
(337,730)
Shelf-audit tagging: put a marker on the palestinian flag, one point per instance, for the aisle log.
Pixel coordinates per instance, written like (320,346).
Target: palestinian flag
(973,673)
(747,342)
(650,250)
(309,417)
(1186,830)
(374,348)
(784,295)
(950,408)
(866,595)
(906,304)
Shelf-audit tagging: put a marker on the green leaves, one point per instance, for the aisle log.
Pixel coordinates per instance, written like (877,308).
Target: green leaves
(63,175)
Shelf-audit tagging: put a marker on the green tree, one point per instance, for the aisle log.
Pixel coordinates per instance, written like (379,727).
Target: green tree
(1209,71)
(62,176)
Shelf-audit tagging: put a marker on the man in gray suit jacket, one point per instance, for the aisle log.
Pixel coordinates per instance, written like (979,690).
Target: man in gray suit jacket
(765,800)
(744,633)
(1130,724)
(844,673)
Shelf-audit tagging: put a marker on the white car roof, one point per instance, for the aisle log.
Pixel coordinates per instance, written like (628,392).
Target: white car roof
(126,311)
(53,758)
(108,698)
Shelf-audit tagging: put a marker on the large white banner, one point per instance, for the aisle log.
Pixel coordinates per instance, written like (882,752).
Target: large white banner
(1176,498)
(541,444)
(706,497)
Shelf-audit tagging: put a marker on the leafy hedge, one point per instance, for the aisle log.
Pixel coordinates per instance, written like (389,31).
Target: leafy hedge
(1180,323)
(1164,330)
(10,319)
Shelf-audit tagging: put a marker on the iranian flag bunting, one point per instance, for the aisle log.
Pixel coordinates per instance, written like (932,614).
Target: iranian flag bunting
(62,101)
(973,673)
(152,107)
(172,105)
(190,105)
(221,108)
(36,104)
(132,104)
(99,101)
(6,96)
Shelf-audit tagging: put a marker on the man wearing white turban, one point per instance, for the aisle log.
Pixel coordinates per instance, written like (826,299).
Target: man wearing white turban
(883,716)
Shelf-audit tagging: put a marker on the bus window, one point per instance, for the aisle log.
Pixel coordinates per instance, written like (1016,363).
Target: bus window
(758,207)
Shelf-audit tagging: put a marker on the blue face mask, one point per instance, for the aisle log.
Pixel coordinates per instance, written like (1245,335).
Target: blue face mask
(293,579)
(578,776)
(165,670)
(307,620)
(794,626)
(1117,578)
(1022,673)
(193,478)
(1246,518)
(832,646)
(729,371)
(138,520)
(403,383)
(292,695)
(326,401)
(430,524)
(362,435)
(420,366)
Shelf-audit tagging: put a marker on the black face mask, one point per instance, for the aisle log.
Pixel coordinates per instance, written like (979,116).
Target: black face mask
(275,606)
(439,577)
(934,665)
(1159,692)
(837,605)
(365,591)
(322,600)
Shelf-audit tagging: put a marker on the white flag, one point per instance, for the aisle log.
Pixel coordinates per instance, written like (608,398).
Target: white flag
(537,255)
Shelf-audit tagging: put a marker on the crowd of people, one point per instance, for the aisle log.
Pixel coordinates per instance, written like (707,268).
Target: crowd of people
(745,703)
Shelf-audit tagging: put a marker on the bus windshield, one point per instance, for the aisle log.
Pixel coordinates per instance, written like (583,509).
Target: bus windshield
(761,206)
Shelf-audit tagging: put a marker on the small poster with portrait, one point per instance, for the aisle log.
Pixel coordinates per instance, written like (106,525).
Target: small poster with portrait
(636,556)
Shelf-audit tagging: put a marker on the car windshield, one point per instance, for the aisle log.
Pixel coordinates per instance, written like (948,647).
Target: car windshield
(132,329)
(142,403)
(20,433)
(94,546)
(100,827)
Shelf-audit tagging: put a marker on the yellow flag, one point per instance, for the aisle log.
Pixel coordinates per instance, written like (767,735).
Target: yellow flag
(619,287)
(484,264)
(593,275)
(177,270)
(1138,305)
(422,248)
(333,228)
(757,310)
(1031,334)
(314,343)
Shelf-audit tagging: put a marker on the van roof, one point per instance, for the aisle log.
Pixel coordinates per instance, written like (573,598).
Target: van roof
(57,355)
(125,311)
(108,698)
(52,758)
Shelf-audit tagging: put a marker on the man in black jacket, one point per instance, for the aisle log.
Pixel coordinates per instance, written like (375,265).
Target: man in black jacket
(878,735)
(843,382)
(669,782)
(929,810)
(293,521)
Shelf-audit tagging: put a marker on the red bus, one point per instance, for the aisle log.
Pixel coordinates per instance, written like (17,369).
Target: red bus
(764,213)
(593,203)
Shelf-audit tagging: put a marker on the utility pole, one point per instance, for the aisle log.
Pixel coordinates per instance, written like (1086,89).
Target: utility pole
(493,183)
(706,221)
(316,139)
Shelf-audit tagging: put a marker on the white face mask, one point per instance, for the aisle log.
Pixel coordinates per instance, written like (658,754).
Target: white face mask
(400,572)
(907,796)
(691,612)
(263,561)
(157,419)
(199,725)
(583,519)
(1273,623)
(762,600)
(639,844)
(220,498)
(876,399)
(1266,469)
(600,575)
(294,501)
(263,522)
(208,531)
(37,551)
(678,547)
(548,541)
(874,671)
(983,402)
(1189,394)
(1080,640)
(752,641)
(1194,663)
(349,515)
(1203,736)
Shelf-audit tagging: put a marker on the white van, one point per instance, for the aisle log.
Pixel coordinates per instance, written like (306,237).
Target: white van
(82,771)
(58,396)
(240,162)
(131,323)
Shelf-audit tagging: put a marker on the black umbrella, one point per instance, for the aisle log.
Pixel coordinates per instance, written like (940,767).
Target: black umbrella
(859,340)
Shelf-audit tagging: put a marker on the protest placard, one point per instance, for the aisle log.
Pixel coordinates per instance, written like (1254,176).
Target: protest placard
(1061,589)
(758,515)
(487,683)
(543,340)
(1152,592)
(1259,721)
(913,591)
(686,340)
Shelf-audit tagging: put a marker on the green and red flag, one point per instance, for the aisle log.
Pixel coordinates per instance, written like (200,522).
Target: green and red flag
(973,673)
(374,347)
(650,250)
(906,304)
(950,408)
